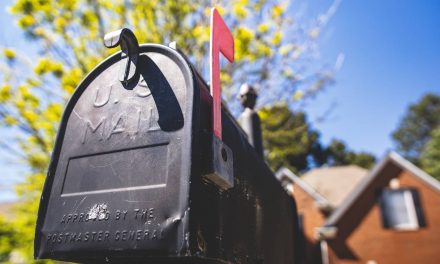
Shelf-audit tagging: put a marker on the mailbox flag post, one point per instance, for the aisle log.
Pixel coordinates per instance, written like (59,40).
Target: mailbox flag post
(221,42)
(221,168)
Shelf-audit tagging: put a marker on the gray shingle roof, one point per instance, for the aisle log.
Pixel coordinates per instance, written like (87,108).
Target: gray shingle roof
(335,183)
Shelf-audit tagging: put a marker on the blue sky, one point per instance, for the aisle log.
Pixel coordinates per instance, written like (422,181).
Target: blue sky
(11,170)
(392,58)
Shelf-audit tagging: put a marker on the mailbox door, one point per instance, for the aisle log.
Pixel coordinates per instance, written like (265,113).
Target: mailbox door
(118,182)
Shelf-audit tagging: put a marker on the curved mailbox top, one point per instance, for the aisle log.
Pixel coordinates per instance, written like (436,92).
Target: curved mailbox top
(119,176)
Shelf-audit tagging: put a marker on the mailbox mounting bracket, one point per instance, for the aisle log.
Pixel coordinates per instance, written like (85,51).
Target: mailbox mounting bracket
(222,169)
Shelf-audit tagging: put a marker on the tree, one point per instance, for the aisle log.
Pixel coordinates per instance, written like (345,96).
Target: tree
(271,48)
(8,239)
(288,138)
(430,158)
(362,159)
(416,127)
(290,141)
(338,155)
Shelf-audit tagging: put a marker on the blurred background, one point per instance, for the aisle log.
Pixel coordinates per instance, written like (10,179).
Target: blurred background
(341,84)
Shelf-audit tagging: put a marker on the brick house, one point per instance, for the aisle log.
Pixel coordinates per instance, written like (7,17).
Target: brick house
(388,215)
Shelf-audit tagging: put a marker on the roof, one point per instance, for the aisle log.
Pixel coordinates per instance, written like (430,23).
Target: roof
(393,158)
(335,183)
(303,185)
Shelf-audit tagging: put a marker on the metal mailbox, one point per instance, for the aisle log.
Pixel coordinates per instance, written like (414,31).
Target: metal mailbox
(126,181)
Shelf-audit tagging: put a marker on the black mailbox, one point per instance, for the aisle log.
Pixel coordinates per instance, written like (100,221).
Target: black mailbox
(127,183)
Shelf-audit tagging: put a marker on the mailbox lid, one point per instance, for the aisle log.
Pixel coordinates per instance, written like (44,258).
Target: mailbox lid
(120,171)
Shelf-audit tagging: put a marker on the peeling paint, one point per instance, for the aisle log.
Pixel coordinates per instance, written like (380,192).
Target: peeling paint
(98,211)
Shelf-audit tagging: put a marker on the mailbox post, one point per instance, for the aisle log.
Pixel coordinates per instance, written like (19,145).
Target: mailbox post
(127,179)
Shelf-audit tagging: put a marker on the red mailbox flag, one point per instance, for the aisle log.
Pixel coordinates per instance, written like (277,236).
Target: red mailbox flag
(221,41)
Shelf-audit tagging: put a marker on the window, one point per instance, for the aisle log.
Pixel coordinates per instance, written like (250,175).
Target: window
(401,209)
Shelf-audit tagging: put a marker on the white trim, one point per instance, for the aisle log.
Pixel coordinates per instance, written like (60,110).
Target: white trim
(307,188)
(411,210)
(366,181)
(326,232)
(403,163)
(324,252)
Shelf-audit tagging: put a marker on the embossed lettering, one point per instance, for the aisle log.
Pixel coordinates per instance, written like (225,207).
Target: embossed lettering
(72,237)
(106,235)
(104,100)
(81,215)
(152,123)
(93,129)
(131,234)
(103,235)
(138,123)
(120,214)
(119,126)
(144,213)
(147,91)
(60,238)
(93,235)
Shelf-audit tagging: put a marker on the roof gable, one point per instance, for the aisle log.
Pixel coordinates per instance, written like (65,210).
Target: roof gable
(393,159)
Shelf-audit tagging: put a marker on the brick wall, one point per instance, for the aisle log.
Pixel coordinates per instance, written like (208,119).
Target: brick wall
(312,218)
(369,240)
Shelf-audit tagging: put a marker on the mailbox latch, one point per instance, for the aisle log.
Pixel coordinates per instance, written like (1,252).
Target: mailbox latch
(130,52)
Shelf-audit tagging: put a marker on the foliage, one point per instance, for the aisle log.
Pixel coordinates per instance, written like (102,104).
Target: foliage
(290,141)
(415,129)
(288,138)
(271,48)
(430,158)
(337,154)
(8,239)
